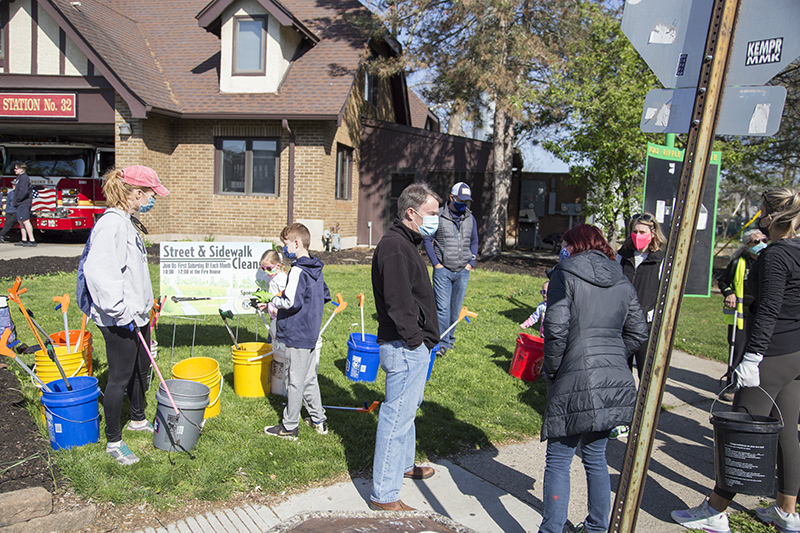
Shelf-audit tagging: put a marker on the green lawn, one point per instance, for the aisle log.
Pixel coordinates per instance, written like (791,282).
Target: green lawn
(471,401)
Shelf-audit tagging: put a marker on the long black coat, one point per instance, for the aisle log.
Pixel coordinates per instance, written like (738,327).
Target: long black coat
(593,322)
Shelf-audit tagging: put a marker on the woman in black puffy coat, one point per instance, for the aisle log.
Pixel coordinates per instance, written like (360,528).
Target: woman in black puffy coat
(593,322)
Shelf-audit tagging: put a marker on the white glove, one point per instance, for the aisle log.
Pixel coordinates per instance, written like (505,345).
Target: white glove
(746,374)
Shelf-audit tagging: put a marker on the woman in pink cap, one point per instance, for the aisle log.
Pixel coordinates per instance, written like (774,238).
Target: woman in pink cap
(118,281)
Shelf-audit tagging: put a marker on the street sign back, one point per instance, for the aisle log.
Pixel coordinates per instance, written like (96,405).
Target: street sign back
(766,41)
(670,36)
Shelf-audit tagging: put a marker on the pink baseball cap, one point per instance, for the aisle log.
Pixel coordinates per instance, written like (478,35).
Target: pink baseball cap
(141,176)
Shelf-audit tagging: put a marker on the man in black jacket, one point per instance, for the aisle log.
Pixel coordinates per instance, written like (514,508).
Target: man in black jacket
(407,330)
(23,202)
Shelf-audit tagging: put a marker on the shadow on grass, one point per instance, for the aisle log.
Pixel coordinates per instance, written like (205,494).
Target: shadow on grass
(501,356)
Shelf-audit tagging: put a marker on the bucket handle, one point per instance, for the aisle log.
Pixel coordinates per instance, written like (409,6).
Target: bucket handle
(83,362)
(67,419)
(711,411)
(218,395)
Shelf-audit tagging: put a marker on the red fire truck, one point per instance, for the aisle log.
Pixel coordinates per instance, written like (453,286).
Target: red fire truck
(66,180)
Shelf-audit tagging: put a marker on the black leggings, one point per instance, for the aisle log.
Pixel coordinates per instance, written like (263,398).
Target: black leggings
(780,377)
(127,372)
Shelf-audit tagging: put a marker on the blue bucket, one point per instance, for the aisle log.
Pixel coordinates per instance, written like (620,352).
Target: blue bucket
(363,357)
(73,417)
(433,358)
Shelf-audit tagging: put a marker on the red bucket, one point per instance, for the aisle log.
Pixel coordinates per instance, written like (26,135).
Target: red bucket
(528,357)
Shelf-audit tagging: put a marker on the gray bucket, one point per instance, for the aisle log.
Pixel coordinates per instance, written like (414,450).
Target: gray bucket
(179,433)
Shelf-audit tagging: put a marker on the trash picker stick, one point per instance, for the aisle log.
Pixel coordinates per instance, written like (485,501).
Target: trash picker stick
(160,377)
(225,316)
(364,409)
(361,305)
(5,350)
(340,306)
(13,295)
(83,330)
(63,304)
(51,352)
(465,313)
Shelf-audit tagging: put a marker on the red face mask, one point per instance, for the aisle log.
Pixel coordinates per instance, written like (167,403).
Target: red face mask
(641,240)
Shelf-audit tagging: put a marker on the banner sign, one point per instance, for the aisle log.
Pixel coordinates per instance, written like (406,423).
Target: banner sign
(198,278)
(38,105)
(662,177)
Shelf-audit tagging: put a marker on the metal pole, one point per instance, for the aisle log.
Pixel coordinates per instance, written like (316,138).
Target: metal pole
(711,85)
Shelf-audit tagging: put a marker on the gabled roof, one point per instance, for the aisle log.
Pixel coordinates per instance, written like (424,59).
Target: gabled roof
(208,18)
(157,57)
(420,112)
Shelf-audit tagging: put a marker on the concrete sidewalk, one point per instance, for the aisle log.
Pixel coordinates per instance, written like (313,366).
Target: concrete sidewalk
(500,489)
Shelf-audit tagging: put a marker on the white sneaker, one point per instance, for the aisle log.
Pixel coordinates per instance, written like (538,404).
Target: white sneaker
(702,517)
(122,454)
(784,522)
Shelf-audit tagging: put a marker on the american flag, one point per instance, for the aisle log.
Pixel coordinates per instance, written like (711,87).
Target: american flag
(43,199)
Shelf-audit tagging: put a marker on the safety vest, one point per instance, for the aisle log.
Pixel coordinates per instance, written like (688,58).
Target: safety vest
(738,289)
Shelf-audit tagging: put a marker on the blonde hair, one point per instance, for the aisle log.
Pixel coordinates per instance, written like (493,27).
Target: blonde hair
(646,219)
(784,206)
(297,231)
(273,257)
(117,191)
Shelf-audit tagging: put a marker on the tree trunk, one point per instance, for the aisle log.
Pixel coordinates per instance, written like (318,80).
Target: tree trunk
(501,152)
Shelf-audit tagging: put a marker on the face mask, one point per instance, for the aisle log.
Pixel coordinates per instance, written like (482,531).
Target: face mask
(641,240)
(563,254)
(429,225)
(148,206)
(755,250)
(288,254)
(459,207)
(262,279)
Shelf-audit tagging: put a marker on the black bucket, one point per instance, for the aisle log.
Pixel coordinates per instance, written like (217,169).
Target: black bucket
(745,452)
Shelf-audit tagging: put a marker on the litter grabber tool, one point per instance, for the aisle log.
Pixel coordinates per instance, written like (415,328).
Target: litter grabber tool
(364,409)
(340,305)
(254,304)
(463,314)
(155,312)
(153,362)
(259,357)
(83,330)
(7,351)
(13,295)
(361,305)
(225,315)
(51,352)
(63,304)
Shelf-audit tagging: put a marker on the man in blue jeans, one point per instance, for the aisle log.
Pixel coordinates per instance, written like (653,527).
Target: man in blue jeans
(407,330)
(452,251)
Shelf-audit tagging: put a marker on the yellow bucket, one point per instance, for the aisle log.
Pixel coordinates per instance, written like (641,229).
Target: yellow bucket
(73,363)
(252,379)
(59,339)
(203,370)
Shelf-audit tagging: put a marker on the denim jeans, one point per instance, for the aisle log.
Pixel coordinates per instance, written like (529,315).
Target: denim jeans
(396,440)
(449,289)
(592,447)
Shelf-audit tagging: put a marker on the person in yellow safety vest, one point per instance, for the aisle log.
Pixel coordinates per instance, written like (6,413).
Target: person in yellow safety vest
(732,284)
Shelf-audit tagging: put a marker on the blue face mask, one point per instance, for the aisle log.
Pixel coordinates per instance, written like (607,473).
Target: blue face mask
(459,207)
(563,254)
(148,206)
(429,225)
(288,254)
(755,250)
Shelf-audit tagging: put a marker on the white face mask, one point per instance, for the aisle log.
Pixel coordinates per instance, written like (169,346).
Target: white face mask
(429,224)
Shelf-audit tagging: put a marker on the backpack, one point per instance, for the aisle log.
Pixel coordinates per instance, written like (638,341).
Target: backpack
(82,295)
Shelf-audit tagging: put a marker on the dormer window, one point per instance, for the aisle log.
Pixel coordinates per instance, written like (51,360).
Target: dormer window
(249,45)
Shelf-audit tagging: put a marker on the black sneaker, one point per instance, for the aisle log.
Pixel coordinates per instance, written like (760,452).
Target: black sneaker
(441,351)
(31,244)
(2,240)
(282,432)
(21,243)
(321,427)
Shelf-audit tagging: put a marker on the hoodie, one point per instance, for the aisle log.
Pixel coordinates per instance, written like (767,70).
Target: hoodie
(300,307)
(593,322)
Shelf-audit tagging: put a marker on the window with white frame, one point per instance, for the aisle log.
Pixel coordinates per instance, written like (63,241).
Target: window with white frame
(371,88)
(248,166)
(344,171)
(249,45)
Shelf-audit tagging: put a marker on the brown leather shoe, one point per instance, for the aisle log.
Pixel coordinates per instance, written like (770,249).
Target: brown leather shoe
(420,472)
(391,506)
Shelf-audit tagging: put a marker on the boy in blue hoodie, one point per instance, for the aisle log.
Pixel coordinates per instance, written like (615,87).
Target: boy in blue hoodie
(297,326)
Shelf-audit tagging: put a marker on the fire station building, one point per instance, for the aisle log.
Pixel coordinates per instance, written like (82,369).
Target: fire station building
(254,113)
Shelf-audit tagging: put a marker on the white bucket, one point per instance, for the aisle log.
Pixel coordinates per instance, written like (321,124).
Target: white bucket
(279,369)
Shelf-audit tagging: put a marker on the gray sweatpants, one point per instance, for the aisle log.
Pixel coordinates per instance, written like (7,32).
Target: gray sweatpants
(302,386)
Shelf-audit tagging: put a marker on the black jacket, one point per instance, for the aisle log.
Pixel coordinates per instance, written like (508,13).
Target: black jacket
(646,278)
(22,190)
(726,280)
(774,281)
(593,322)
(402,289)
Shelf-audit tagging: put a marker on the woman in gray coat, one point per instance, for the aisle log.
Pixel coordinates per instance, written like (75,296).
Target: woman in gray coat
(593,322)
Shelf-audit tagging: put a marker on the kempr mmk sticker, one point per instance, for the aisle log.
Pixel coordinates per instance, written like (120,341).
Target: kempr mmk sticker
(764,52)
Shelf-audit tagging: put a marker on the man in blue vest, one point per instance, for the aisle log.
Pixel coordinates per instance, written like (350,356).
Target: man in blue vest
(452,251)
